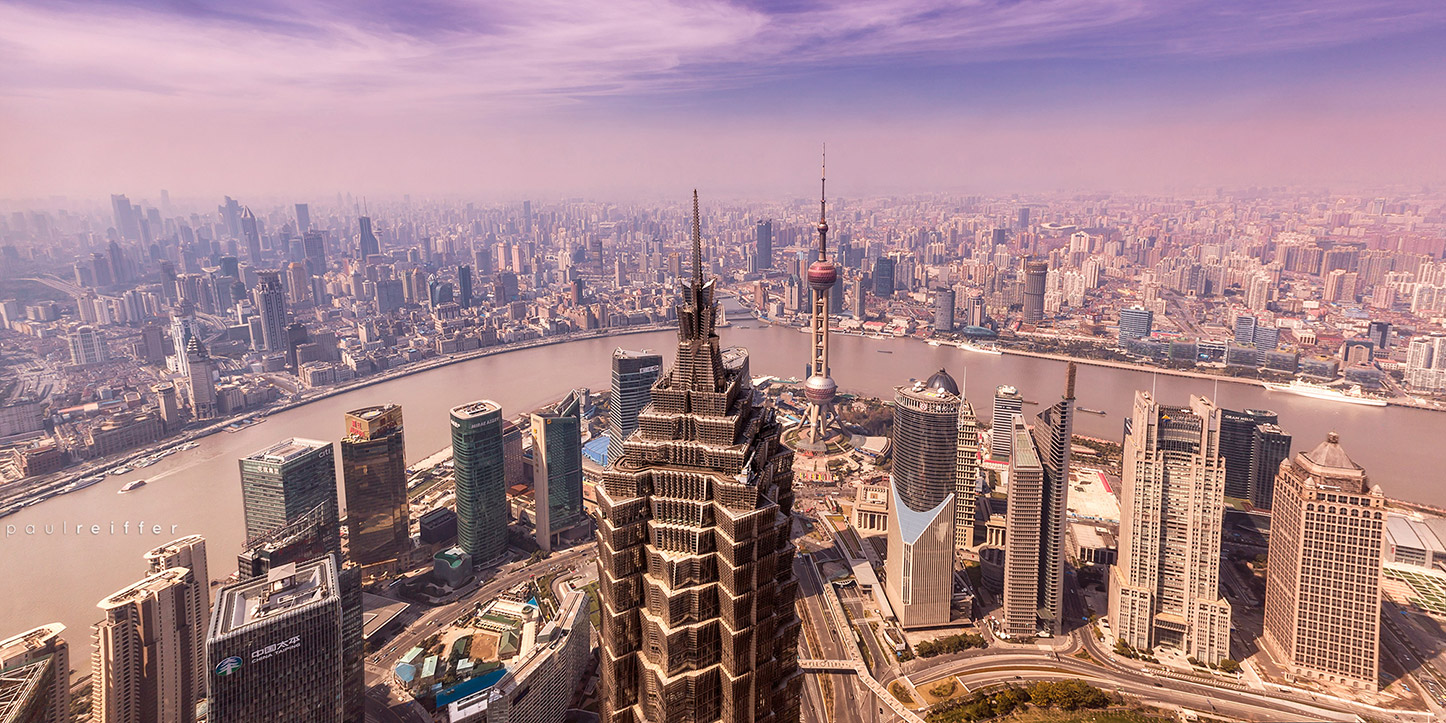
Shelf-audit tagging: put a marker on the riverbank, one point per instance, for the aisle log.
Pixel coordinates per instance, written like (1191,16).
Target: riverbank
(44,488)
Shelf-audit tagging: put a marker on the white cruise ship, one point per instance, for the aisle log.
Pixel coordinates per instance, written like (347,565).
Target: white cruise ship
(1321,391)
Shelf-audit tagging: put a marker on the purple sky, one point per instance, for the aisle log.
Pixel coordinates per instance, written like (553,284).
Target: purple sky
(635,98)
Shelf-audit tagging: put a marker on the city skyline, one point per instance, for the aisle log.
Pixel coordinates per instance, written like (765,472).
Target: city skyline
(608,97)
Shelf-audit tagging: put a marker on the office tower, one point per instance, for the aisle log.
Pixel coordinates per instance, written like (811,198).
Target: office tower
(310,535)
(634,373)
(50,683)
(270,300)
(1023,553)
(1270,446)
(189,552)
(480,466)
(144,666)
(313,245)
(125,217)
(966,477)
(200,383)
(1237,434)
(27,691)
(87,346)
(944,309)
(693,544)
(883,277)
(517,471)
(920,561)
(285,481)
(369,244)
(1245,325)
(763,245)
(1323,595)
(973,308)
(821,421)
(1008,402)
(557,469)
(1136,322)
(1379,332)
(253,236)
(464,286)
(1036,518)
(1165,584)
(169,407)
(1034,277)
(859,300)
(374,472)
(1022,221)
(275,649)
(298,284)
(303,218)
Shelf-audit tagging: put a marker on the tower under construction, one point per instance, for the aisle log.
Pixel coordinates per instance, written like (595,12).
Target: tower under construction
(697,585)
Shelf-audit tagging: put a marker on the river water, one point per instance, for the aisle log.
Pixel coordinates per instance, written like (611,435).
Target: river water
(50,573)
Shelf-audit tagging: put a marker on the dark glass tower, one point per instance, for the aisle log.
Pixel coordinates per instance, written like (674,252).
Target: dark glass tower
(697,586)
(480,468)
(286,481)
(253,236)
(1237,440)
(1269,446)
(634,373)
(369,244)
(1034,278)
(374,471)
(557,469)
(270,300)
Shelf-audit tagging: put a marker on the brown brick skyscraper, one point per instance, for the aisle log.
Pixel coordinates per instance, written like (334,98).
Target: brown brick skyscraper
(698,620)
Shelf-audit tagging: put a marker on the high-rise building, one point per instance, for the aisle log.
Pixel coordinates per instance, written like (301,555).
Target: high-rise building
(200,382)
(252,233)
(1379,332)
(821,420)
(883,277)
(1036,519)
(1269,446)
(144,666)
(763,245)
(944,309)
(303,218)
(270,299)
(480,467)
(634,373)
(374,473)
(557,469)
(313,245)
(189,552)
(27,691)
(697,585)
(125,217)
(1165,584)
(87,346)
(275,650)
(966,477)
(1323,593)
(1035,272)
(1008,403)
(51,686)
(464,286)
(1237,439)
(284,482)
(369,245)
(1136,322)
(919,563)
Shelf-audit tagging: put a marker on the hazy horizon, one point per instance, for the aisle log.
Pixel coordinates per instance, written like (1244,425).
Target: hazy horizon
(632,100)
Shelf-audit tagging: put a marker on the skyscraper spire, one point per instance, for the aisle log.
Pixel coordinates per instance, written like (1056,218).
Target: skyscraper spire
(822,206)
(697,245)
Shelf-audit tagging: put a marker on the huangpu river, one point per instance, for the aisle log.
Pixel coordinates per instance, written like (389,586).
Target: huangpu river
(59,558)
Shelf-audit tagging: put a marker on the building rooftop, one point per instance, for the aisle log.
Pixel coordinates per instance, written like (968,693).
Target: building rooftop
(475,409)
(29,640)
(285,588)
(287,450)
(147,585)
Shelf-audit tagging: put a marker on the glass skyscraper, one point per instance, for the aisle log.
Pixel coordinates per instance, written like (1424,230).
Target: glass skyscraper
(374,471)
(481,472)
(634,373)
(557,469)
(284,482)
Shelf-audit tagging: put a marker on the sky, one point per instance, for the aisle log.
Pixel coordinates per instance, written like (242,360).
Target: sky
(632,99)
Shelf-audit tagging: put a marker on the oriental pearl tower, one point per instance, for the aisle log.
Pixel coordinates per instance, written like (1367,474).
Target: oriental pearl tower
(819,390)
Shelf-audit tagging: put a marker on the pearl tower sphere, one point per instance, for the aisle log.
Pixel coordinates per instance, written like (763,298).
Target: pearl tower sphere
(820,389)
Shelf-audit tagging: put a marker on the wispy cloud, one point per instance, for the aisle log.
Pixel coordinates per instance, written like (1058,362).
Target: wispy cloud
(440,53)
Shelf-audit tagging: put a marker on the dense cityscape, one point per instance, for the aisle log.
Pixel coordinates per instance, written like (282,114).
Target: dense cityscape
(722,361)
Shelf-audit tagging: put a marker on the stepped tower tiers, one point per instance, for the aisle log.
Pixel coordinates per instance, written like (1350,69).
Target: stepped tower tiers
(819,389)
(697,584)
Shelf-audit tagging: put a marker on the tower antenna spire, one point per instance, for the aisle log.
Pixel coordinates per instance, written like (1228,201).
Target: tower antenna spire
(697,245)
(823,206)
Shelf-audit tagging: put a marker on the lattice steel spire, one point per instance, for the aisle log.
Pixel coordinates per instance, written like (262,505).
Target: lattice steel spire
(697,245)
